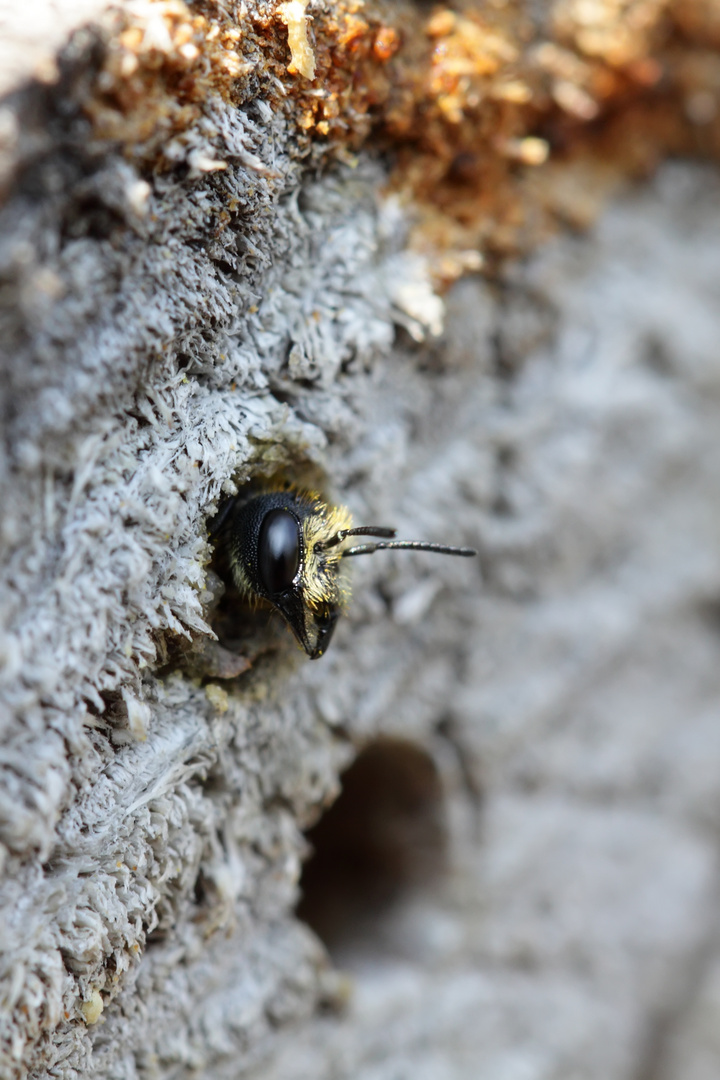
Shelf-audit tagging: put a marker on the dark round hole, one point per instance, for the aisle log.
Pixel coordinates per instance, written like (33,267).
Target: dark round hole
(383,839)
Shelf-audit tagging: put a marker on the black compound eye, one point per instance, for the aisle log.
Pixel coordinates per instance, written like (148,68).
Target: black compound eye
(278,551)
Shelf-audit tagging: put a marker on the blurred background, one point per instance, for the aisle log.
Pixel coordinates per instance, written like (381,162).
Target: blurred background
(459,269)
(520,874)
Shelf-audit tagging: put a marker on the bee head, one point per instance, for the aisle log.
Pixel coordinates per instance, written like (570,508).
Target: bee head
(277,547)
(286,547)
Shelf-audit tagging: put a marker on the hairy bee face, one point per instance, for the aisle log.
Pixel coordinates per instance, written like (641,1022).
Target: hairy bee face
(286,547)
(276,545)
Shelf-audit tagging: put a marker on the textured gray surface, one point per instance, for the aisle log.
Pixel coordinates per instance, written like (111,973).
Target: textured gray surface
(573,935)
(152,827)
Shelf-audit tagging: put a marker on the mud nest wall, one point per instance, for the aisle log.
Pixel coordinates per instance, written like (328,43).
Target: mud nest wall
(447,266)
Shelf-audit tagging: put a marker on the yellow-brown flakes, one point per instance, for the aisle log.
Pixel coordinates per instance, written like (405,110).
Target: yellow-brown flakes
(294,15)
(496,126)
(157,74)
(617,32)
(164,61)
(498,131)
(386,43)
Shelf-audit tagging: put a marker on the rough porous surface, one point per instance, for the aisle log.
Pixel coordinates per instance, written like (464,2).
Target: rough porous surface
(574,935)
(565,685)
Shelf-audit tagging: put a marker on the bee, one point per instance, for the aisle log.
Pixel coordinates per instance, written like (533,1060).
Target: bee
(286,547)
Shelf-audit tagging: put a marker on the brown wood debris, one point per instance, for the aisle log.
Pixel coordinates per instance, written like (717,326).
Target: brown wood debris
(497,125)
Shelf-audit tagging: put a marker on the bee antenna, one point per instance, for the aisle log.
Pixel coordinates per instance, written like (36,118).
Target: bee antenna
(361,530)
(387,542)
(409,545)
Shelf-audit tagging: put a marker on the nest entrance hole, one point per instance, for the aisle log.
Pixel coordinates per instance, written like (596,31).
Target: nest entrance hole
(380,843)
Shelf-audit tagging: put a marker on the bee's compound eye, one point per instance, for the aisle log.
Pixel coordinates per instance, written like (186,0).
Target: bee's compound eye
(278,551)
